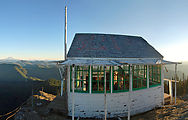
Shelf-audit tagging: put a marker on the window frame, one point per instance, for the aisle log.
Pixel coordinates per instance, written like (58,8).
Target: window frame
(75,70)
(126,69)
(118,80)
(154,67)
(107,91)
(145,74)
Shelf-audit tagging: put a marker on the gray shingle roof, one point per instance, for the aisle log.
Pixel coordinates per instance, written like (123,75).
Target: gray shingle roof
(111,46)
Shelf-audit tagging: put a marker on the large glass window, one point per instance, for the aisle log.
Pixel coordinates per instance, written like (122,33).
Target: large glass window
(154,75)
(121,78)
(139,76)
(81,79)
(98,77)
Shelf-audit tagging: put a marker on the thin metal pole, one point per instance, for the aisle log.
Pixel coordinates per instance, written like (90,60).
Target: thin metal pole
(73,92)
(61,81)
(65,49)
(65,54)
(105,106)
(175,80)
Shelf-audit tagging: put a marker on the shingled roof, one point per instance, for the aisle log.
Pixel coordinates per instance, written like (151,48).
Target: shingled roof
(90,45)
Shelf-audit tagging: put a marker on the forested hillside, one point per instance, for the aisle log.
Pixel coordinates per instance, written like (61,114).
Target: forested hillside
(17,78)
(9,73)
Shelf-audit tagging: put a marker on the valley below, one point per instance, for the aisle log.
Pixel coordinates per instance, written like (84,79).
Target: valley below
(19,78)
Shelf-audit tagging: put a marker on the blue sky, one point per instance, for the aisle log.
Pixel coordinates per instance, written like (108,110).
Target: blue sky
(34,29)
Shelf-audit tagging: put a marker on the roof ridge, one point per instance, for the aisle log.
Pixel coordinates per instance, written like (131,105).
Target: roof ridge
(113,34)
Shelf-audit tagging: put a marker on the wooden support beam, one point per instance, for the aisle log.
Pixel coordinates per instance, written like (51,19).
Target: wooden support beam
(171,91)
(170,80)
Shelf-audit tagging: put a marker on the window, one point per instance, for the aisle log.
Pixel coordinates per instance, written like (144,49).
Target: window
(154,75)
(121,78)
(139,76)
(98,77)
(81,79)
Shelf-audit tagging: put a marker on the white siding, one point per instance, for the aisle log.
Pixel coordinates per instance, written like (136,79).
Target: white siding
(92,105)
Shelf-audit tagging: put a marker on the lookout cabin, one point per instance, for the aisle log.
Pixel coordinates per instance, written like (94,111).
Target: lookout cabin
(112,75)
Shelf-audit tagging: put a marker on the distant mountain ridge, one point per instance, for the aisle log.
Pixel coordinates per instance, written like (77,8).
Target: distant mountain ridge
(13,69)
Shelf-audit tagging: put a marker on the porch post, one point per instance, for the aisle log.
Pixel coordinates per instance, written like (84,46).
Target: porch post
(105,105)
(61,80)
(73,92)
(68,78)
(162,84)
(130,90)
(171,90)
(175,80)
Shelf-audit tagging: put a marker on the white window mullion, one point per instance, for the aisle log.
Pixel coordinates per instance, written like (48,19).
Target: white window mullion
(111,79)
(147,76)
(68,80)
(130,79)
(90,82)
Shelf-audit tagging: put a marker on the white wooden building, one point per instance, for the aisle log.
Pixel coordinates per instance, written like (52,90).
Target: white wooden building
(128,67)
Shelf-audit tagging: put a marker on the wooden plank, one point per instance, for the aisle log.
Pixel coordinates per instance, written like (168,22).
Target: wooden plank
(171,91)
(170,80)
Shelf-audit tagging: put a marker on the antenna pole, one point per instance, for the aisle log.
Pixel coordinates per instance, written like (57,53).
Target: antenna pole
(65,54)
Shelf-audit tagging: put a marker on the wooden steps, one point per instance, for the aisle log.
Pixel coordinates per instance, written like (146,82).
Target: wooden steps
(167,98)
